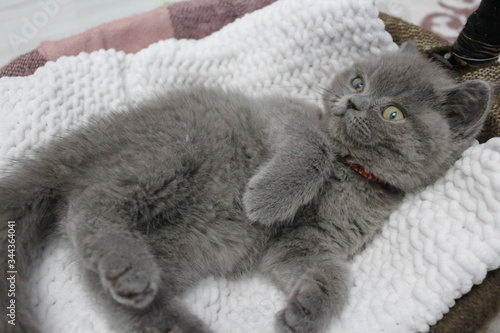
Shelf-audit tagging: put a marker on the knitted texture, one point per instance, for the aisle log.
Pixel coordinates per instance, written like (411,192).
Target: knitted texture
(431,251)
(24,65)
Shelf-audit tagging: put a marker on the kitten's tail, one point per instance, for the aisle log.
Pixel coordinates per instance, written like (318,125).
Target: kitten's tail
(28,197)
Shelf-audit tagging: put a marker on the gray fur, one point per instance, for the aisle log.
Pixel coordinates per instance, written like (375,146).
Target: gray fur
(201,182)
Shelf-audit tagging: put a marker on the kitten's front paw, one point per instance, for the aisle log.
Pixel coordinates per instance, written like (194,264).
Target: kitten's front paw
(306,311)
(255,209)
(267,200)
(131,279)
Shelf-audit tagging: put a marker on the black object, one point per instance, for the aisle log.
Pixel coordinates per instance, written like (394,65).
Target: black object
(479,40)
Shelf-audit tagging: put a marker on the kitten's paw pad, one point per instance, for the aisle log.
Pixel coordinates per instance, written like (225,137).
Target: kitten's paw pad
(130,281)
(304,312)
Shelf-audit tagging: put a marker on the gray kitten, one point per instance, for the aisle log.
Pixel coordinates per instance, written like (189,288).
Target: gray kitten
(201,182)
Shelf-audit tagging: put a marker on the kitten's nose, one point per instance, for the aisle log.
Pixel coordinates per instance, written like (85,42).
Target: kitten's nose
(359,103)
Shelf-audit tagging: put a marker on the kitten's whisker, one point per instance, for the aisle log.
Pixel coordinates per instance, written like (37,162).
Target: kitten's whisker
(311,84)
(308,99)
(318,92)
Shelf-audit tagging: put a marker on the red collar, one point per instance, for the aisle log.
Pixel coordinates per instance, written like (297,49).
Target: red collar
(361,170)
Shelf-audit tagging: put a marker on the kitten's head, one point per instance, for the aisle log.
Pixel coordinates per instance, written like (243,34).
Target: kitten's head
(403,117)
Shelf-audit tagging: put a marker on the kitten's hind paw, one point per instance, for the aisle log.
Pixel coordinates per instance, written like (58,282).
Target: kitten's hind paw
(306,311)
(131,279)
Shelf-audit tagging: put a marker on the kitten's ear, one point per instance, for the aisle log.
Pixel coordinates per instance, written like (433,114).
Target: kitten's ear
(408,47)
(467,106)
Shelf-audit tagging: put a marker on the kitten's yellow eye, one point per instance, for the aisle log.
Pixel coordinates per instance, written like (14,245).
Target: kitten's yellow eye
(392,113)
(358,84)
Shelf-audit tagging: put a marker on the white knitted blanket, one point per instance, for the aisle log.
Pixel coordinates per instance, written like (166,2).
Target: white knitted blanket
(432,250)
